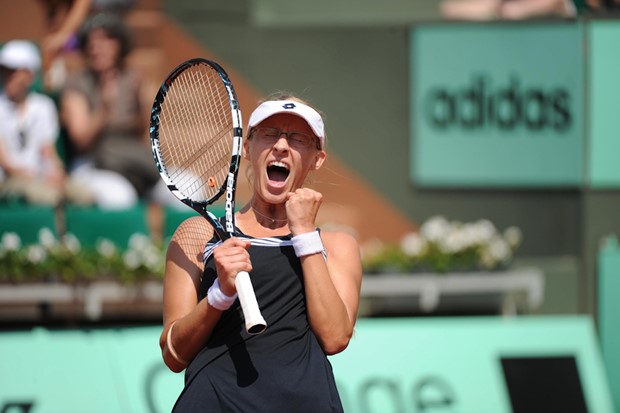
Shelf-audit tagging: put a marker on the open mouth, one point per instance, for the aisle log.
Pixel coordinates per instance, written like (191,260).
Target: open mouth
(277,171)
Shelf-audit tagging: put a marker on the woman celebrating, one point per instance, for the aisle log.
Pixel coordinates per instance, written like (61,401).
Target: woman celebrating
(307,283)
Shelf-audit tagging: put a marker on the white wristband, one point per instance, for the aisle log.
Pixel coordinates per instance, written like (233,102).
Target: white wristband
(307,244)
(218,299)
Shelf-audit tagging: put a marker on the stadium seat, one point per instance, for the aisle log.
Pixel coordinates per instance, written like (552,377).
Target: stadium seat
(90,224)
(26,220)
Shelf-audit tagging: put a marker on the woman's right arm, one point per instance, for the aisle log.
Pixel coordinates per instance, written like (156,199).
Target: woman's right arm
(193,320)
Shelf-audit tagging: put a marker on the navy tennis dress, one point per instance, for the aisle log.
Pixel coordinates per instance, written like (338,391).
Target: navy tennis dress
(284,369)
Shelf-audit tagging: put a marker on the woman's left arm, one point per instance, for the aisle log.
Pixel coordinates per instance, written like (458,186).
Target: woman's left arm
(333,290)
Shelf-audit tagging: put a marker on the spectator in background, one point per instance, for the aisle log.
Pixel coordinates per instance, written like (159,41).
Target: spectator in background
(30,167)
(63,21)
(480,10)
(106,111)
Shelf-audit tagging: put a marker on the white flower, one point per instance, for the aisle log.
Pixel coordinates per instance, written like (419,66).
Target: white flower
(47,238)
(139,242)
(513,236)
(500,249)
(72,243)
(106,248)
(132,259)
(497,251)
(435,229)
(152,260)
(11,241)
(480,232)
(456,240)
(36,254)
(413,244)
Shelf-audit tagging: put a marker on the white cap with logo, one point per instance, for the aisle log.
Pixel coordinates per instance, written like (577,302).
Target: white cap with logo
(20,54)
(273,107)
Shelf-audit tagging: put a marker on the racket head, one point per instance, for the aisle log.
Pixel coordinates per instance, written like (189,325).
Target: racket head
(196,135)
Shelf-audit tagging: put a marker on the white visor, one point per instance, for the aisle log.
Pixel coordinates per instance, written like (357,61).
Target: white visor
(272,107)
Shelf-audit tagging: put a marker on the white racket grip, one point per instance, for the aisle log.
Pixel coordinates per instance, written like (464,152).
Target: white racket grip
(254,321)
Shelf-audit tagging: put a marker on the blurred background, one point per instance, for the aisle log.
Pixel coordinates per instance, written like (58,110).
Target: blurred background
(472,149)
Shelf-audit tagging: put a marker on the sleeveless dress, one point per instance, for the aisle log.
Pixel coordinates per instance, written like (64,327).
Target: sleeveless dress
(284,369)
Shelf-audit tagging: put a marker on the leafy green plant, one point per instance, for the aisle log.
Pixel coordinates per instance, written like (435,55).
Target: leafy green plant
(64,259)
(441,245)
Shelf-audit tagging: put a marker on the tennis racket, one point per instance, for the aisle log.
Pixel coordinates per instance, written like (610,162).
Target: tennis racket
(196,135)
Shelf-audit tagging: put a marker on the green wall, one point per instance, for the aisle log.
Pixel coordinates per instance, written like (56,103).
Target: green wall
(604,127)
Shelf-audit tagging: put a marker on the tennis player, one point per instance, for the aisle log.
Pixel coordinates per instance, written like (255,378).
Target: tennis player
(307,283)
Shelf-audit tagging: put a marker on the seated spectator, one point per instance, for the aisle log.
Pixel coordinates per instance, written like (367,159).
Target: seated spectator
(63,21)
(106,110)
(30,167)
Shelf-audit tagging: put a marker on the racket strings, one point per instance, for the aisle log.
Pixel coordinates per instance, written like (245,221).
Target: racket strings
(191,150)
(196,132)
(218,125)
(217,122)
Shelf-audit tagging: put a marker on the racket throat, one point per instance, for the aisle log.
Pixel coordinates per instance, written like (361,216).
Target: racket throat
(230,203)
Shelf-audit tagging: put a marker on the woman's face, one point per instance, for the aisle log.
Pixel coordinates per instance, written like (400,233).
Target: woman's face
(102,51)
(280,164)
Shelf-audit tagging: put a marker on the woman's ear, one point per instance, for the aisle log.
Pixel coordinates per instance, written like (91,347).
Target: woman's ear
(245,152)
(319,159)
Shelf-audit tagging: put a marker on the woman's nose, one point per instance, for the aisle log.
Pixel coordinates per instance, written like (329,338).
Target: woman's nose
(282,142)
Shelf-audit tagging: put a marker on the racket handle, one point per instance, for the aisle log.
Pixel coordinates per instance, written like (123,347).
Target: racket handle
(254,321)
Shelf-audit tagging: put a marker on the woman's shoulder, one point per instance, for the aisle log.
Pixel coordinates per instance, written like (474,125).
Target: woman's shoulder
(342,239)
(343,251)
(195,224)
(192,234)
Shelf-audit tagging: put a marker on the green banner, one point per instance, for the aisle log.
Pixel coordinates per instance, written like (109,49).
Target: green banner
(497,105)
(604,89)
(95,371)
(456,364)
(392,365)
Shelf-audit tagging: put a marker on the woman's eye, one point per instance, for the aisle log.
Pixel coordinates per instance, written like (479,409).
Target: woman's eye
(299,140)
